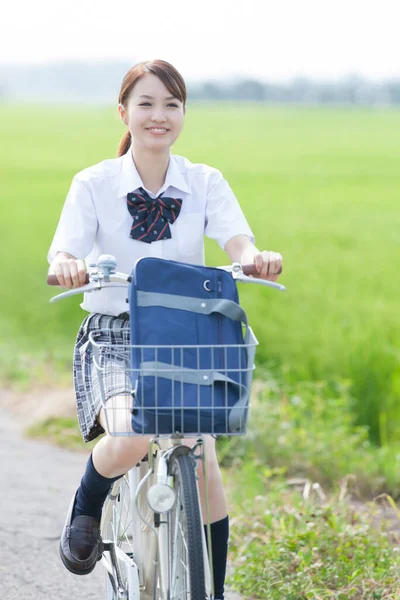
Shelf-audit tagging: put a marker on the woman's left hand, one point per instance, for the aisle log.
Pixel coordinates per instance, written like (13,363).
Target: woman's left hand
(268,265)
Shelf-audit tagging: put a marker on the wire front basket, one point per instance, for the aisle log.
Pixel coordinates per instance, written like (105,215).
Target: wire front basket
(165,389)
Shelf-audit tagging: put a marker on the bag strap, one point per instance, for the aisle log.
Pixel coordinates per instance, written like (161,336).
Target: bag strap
(228,308)
(185,375)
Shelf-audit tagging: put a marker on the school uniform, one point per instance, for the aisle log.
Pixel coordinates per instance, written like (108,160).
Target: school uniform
(96,220)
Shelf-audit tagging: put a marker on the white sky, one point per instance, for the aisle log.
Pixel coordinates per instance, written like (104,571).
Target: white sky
(270,39)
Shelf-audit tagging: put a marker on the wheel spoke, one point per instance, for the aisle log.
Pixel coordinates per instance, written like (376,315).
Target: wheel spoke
(119,528)
(180,571)
(183,537)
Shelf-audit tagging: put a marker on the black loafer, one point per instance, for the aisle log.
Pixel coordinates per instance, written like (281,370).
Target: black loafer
(81,545)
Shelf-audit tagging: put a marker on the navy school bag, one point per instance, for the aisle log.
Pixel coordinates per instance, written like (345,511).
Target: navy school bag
(185,387)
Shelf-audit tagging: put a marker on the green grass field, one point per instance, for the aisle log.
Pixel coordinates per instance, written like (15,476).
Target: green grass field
(320,186)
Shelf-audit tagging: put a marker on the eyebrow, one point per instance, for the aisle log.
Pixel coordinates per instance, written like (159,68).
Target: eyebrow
(151,97)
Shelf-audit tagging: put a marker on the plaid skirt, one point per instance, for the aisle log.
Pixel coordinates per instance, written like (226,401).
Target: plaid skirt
(89,399)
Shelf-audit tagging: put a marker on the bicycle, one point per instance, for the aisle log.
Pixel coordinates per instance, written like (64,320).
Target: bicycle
(154,542)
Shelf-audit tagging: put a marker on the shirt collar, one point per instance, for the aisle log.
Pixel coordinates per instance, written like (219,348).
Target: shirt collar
(131,180)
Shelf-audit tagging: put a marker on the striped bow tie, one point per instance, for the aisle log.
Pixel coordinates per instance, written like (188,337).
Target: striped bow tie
(151,216)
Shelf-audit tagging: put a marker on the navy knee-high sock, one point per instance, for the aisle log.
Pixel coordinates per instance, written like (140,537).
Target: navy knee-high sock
(92,492)
(219,546)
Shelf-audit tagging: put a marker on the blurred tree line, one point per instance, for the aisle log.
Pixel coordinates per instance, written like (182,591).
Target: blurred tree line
(99,82)
(351,89)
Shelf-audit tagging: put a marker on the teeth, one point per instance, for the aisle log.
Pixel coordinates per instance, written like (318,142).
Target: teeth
(155,129)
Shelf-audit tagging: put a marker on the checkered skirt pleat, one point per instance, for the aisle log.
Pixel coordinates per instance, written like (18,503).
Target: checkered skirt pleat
(115,379)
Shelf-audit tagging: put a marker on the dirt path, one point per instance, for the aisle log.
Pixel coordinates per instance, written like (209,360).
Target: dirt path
(38,480)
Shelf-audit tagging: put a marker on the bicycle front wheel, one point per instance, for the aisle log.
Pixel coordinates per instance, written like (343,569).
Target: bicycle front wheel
(187,575)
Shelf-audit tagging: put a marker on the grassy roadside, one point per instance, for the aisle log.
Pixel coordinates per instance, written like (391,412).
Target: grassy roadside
(306,430)
(62,431)
(289,546)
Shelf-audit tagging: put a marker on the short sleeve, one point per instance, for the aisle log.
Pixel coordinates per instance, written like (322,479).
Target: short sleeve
(78,224)
(224,217)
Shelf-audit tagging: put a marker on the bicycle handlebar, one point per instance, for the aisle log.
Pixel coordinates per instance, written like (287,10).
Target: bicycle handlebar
(103,275)
(246,269)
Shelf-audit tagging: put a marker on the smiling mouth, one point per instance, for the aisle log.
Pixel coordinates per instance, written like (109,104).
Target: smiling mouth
(157,129)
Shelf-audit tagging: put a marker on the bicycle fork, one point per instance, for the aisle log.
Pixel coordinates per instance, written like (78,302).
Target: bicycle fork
(126,587)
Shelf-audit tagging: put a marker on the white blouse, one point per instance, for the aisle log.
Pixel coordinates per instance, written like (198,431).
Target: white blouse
(95,219)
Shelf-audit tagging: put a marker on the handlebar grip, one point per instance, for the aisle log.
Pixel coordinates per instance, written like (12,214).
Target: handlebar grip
(52,279)
(251,270)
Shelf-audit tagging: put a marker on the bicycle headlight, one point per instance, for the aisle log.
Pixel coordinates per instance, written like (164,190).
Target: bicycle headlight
(161,497)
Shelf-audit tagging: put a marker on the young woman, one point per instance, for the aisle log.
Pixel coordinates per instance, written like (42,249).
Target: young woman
(103,213)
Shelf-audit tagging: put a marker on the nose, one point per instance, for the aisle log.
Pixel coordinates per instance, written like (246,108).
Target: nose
(158,115)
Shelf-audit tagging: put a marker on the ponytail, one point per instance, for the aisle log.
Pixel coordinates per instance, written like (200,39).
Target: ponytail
(124,144)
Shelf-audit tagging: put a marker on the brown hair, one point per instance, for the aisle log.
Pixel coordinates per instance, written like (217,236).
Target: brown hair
(170,77)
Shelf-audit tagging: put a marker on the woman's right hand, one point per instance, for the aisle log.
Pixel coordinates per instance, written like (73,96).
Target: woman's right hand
(70,271)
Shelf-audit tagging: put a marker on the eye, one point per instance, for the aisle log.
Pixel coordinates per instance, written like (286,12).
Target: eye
(145,104)
(172,104)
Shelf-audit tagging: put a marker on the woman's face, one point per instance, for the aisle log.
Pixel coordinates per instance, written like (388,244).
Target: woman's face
(155,119)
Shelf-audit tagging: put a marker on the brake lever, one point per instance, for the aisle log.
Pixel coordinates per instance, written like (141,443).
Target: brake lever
(271,284)
(89,287)
(95,286)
